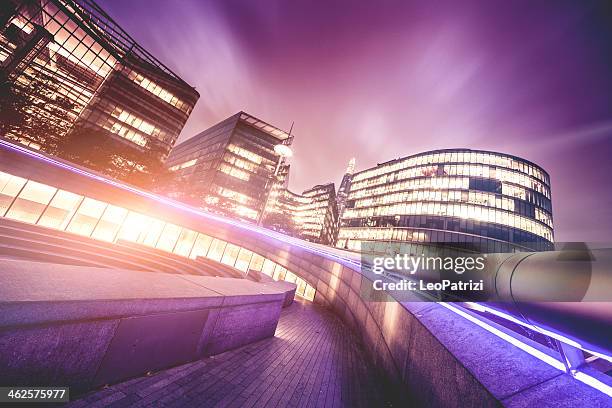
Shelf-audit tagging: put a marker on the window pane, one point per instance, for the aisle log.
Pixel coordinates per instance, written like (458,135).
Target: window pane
(301,287)
(151,234)
(230,254)
(200,248)
(257,262)
(279,273)
(290,277)
(216,249)
(268,267)
(109,223)
(244,258)
(185,242)
(60,210)
(31,202)
(134,225)
(86,217)
(168,238)
(9,188)
(309,293)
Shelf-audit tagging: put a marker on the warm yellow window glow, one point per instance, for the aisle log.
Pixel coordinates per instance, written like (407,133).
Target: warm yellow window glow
(60,210)
(31,202)
(168,238)
(87,216)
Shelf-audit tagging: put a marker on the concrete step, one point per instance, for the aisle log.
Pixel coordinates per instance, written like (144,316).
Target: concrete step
(67,252)
(222,269)
(143,259)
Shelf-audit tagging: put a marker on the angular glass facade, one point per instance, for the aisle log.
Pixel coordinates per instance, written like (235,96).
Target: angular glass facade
(312,215)
(48,206)
(229,168)
(486,201)
(76,67)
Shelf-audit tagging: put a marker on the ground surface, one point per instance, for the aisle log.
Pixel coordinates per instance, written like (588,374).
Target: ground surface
(312,361)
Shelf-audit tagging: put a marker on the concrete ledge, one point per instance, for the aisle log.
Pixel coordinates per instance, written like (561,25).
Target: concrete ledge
(288,287)
(84,327)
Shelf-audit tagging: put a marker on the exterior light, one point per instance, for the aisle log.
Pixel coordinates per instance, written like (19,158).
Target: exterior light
(283,150)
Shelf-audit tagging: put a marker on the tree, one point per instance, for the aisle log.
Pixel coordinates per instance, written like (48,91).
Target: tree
(38,113)
(99,151)
(281,222)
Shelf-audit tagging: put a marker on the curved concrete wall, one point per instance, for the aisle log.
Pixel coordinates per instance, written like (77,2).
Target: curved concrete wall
(425,349)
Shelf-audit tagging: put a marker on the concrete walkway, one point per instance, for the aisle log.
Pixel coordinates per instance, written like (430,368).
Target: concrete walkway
(312,361)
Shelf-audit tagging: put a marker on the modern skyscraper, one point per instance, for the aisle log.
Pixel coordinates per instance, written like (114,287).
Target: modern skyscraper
(345,186)
(312,215)
(479,200)
(229,168)
(66,65)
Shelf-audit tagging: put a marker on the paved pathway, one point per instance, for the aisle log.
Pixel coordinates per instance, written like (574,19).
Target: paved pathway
(311,362)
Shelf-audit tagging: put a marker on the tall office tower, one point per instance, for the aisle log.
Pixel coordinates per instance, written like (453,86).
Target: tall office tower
(312,215)
(230,167)
(66,68)
(472,199)
(345,186)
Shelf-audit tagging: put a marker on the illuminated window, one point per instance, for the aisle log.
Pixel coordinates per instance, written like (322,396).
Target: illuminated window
(290,277)
(133,226)
(9,188)
(279,273)
(185,242)
(132,121)
(158,91)
(183,165)
(243,260)
(216,249)
(151,235)
(87,216)
(110,223)
(257,262)
(60,210)
(169,237)
(234,172)
(201,246)
(301,287)
(230,254)
(309,293)
(247,154)
(31,202)
(268,267)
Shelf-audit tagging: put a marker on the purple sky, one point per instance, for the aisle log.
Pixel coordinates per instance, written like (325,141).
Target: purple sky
(383,79)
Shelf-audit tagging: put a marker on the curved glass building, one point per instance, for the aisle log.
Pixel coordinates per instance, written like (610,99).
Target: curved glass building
(479,200)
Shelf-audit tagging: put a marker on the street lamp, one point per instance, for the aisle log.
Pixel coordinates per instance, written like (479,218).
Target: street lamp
(282,151)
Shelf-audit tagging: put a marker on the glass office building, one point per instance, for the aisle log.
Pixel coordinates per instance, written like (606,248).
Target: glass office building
(229,168)
(312,215)
(479,200)
(76,68)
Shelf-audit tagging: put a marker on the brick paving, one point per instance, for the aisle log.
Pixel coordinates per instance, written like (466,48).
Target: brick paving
(314,360)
